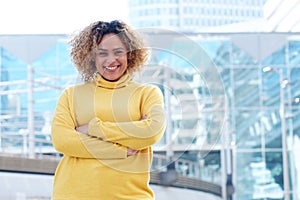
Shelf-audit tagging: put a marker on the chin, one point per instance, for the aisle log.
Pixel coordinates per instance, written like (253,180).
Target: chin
(110,78)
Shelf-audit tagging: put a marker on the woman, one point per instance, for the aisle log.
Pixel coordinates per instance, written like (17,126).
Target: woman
(105,127)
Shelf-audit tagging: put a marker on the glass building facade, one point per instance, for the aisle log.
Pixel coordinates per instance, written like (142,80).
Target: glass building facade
(259,75)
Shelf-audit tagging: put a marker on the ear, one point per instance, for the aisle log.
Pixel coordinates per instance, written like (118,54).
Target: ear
(93,56)
(129,56)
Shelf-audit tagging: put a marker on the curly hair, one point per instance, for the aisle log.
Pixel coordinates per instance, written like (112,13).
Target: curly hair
(85,42)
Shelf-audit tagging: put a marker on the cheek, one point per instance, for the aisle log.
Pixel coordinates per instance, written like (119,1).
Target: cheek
(99,62)
(124,60)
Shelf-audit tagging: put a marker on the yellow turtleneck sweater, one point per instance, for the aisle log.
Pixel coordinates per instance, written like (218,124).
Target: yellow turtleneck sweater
(96,166)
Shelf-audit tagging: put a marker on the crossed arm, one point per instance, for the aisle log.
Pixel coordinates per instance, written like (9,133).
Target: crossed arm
(84,129)
(67,140)
(106,140)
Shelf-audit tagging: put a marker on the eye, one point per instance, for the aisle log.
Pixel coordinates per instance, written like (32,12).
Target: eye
(102,53)
(119,52)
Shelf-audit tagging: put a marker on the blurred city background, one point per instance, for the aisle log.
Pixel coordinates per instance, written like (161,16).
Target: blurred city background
(229,71)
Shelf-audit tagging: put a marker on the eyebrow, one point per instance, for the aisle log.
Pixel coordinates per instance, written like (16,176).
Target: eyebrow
(118,48)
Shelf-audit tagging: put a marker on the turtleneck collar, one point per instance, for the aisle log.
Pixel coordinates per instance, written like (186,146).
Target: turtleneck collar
(122,82)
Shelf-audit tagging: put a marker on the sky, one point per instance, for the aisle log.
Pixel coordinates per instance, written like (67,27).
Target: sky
(57,16)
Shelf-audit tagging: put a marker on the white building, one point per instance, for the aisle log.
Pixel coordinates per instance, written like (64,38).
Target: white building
(191,15)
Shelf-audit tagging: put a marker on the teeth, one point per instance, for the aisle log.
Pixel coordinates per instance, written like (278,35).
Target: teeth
(111,68)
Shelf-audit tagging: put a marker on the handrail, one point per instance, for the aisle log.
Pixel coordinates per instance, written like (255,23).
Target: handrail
(185,168)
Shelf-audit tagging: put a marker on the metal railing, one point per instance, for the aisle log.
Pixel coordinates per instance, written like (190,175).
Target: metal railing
(45,164)
(187,168)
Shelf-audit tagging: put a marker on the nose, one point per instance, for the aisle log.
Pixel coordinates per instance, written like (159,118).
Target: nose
(110,59)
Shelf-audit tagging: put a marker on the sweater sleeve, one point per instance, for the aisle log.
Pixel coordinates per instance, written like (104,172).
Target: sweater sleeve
(135,134)
(68,141)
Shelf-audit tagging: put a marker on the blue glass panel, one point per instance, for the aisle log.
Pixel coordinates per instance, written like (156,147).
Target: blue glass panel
(296,120)
(248,129)
(16,68)
(246,87)
(277,58)
(244,173)
(211,47)
(240,57)
(222,54)
(13,69)
(50,69)
(258,176)
(274,163)
(294,52)
(295,86)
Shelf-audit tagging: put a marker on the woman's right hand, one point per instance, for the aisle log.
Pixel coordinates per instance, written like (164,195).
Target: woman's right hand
(131,152)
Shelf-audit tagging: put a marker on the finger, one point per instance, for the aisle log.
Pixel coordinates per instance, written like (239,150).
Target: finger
(144,117)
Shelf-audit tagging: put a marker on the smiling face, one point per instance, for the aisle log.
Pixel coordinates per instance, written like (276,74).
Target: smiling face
(111,57)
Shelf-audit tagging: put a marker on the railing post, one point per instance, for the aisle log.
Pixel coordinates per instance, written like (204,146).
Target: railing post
(167,95)
(286,179)
(30,122)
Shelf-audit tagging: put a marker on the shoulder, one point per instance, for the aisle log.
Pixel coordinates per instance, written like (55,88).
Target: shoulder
(72,89)
(147,87)
(149,92)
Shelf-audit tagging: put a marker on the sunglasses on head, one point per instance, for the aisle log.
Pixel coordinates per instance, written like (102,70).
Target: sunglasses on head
(115,26)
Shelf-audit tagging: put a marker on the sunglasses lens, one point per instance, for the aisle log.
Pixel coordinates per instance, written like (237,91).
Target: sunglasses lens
(117,25)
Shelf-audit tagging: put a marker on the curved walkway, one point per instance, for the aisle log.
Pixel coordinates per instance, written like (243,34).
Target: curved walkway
(18,172)
(15,186)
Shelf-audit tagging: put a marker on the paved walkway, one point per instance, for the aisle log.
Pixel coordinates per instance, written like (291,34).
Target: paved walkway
(18,186)
(167,193)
